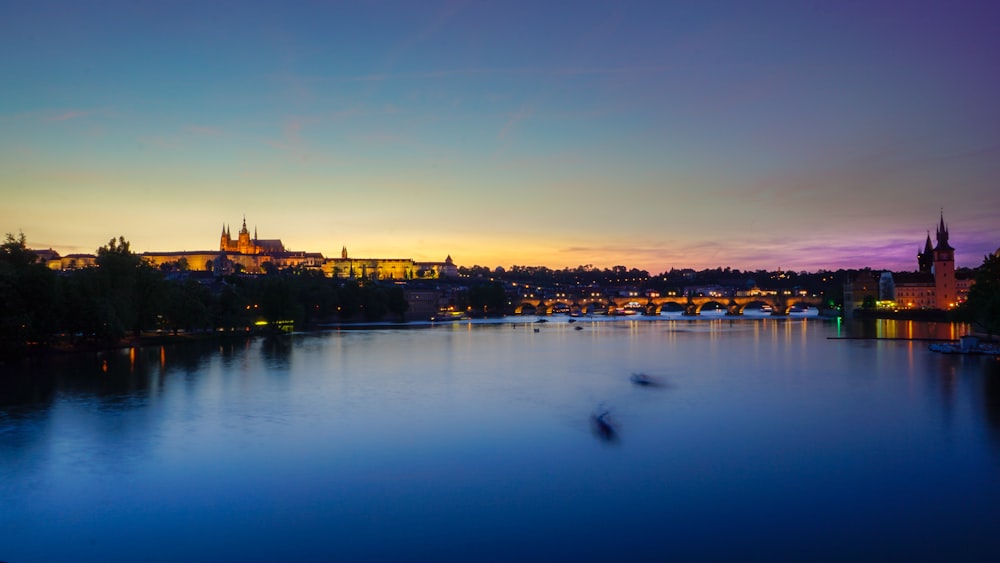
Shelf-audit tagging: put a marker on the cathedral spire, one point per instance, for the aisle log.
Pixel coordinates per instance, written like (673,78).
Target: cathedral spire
(244,229)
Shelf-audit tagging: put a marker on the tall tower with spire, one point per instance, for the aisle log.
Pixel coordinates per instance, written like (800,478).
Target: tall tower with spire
(925,259)
(226,243)
(945,292)
(244,241)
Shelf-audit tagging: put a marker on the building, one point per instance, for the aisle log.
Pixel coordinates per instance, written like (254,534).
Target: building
(886,287)
(54,261)
(245,245)
(252,255)
(934,285)
(387,268)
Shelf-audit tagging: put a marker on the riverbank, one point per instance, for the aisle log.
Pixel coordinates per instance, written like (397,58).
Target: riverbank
(67,346)
(924,315)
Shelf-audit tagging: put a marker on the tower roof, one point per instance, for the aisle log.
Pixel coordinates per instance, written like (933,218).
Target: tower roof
(942,235)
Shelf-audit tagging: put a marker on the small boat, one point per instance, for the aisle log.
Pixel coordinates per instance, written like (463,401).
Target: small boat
(443,316)
(968,345)
(578,327)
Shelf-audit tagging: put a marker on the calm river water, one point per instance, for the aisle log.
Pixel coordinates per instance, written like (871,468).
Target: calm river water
(762,440)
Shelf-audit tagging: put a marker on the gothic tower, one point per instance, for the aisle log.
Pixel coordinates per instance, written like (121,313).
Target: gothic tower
(226,243)
(945,293)
(925,259)
(244,242)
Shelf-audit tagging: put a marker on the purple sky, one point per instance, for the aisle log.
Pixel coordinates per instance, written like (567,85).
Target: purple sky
(800,135)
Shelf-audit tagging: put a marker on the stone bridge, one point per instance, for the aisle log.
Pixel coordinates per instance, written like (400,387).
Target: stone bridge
(691,306)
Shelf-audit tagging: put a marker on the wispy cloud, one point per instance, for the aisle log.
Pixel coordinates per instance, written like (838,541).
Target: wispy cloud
(517,117)
(895,252)
(486,71)
(203,130)
(65,116)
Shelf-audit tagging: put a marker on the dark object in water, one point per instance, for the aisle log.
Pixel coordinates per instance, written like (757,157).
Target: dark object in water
(644,380)
(536,330)
(603,426)
(571,320)
(578,328)
(542,321)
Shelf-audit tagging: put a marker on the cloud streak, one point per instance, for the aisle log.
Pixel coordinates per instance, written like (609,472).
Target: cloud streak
(65,116)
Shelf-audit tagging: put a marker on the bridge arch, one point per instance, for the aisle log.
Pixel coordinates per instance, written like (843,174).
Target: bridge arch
(526,308)
(756,306)
(711,305)
(670,306)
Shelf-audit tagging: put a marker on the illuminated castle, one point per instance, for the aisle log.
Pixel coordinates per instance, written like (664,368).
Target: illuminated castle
(245,245)
(251,255)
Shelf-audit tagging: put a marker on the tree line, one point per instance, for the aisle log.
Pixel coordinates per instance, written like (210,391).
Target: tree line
(126,296)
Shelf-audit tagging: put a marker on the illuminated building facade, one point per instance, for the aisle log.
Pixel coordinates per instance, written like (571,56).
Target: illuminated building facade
(387,268)
(245,245)
(933,286)
(249,254)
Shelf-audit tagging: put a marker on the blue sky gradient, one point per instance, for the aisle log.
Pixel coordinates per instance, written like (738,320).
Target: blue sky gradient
(800,135)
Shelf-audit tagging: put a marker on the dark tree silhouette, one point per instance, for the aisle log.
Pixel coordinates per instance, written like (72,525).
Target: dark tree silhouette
(982,308)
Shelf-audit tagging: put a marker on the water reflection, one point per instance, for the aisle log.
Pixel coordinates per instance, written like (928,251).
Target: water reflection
(991,397)
(391,444)
(892,329)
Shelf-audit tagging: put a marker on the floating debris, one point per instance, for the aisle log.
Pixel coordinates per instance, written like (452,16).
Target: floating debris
(603,425)
(645,380)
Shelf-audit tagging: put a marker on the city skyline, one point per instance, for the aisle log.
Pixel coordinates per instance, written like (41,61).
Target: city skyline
(652,135)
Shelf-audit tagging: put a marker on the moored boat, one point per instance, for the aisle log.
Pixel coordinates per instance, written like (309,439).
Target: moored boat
(969,345)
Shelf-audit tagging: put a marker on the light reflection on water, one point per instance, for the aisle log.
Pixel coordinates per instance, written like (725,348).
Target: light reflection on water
(474,440)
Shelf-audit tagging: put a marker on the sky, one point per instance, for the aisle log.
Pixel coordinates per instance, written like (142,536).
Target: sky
(800,135)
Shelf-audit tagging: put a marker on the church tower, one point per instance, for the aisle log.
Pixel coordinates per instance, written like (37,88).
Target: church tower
(925,259)
(945,293)
(244,242)
(226,242)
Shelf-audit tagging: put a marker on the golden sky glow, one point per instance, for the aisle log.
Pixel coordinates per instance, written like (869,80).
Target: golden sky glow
(794,137)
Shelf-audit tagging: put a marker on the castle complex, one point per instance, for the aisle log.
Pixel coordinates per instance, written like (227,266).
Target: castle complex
(252,255)
(245,245)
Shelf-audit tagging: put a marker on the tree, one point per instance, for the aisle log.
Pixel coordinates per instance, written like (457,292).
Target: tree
(14,251)
(188,306)
(27,296)
(131,286)
(374,302)
(982,308)
(397,302)
(488,299)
